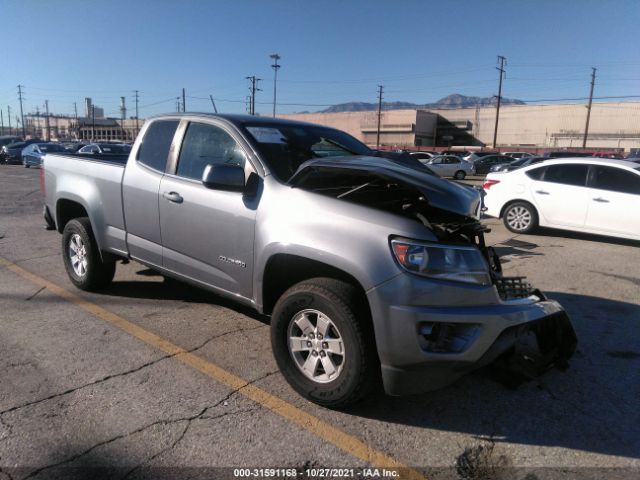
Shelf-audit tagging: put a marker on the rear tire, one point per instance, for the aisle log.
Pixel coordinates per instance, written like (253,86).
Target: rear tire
(345,345)
(81,255)
(520,217)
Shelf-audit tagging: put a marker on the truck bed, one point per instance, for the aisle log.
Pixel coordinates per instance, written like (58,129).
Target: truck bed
(95,182)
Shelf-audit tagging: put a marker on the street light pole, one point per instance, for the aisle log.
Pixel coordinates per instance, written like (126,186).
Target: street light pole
(275,67)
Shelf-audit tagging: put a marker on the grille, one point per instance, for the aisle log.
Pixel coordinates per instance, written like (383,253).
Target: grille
(513,287)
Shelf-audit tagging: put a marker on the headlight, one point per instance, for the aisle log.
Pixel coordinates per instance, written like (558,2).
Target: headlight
(456,263)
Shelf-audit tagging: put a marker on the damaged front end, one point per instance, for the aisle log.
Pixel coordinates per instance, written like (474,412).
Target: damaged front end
(523,345)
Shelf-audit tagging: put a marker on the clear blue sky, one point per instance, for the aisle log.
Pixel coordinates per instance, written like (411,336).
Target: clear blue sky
(332,51)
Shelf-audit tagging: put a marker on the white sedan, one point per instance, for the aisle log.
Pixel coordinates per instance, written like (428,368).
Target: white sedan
(587,195)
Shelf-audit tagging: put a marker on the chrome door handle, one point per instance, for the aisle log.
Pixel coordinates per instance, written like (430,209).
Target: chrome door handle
(173,197)
(542,192)
(601,200)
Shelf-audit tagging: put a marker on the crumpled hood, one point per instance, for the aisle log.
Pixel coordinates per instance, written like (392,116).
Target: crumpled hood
(440,193)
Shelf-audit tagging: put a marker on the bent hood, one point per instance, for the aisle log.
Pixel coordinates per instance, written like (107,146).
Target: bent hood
(440,193)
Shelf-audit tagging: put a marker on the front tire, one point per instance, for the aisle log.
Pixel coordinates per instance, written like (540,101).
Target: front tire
(459,175)
(520,217)
(81,255)
(323,342)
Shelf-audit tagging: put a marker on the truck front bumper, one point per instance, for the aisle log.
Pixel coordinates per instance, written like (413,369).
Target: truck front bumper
(424,343)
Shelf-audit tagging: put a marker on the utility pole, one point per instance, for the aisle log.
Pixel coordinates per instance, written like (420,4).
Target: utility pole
(137,127)
(2,121)
(503,62)
(380,87)
(253,89)
(20,87)
(93,123)
(123,115)
(46,121)
(586,127)
(75,111)
(9,117)
(215,110)
(184,106)
(275,67)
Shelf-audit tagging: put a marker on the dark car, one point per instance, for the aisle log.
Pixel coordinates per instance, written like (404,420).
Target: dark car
(106,148)
(32,154)
(518,163)
(12,153)
(562,154)
(483,165)
(7,139)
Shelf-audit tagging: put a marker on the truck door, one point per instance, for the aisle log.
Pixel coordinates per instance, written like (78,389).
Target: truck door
(140,186)
(208,235)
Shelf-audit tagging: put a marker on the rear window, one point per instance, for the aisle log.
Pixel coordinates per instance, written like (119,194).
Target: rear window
(535,173)
(154,149)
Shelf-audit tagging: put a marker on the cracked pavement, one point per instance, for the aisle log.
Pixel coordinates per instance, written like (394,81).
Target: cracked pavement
(76,392)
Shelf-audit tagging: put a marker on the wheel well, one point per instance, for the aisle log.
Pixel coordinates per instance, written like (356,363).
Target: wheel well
(511,202)
(67,210)
(284,271)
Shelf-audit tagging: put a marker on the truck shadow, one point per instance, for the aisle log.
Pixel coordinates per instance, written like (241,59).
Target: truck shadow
(592,407)
(170,289)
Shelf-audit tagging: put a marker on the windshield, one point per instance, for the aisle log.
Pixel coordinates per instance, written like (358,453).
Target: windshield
(285,147)
(517,163)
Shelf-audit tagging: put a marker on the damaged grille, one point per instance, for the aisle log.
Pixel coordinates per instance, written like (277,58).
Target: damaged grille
(513,287)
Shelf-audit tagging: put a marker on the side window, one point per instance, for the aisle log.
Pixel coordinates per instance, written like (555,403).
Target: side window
(204,145)
(572,174)
(535,173)
(616,180)
(154,149)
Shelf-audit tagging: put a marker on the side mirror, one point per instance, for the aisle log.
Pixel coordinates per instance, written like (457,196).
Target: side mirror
(224,177)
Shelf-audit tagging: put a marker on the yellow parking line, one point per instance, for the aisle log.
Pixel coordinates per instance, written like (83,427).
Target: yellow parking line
(346,442)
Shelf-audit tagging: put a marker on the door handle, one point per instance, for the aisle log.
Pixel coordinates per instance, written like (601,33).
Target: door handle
(542,192)
(601,200)
(173,197)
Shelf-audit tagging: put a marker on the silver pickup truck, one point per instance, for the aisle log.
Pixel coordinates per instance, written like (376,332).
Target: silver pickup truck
(372,269)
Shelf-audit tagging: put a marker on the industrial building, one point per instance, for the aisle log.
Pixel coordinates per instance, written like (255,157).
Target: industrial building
(613,126)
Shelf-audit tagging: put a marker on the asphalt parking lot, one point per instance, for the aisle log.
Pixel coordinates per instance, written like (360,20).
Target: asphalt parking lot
(155,379)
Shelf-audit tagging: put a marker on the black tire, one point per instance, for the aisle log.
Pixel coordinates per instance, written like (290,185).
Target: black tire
(97,274)
(459,175)
(26,165)
(339,301)
(520,217)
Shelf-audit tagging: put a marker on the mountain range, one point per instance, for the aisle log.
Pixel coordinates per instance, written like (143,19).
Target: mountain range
(450,101)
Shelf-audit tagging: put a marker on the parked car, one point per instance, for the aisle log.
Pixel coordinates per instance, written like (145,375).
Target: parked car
(422,156)
(12,153)
(581,194)
(368,268)
(518,163)
(483,165)
(32,154)
(105,148)
(449,166)
(563,154)
(7,139)
(472,157)
(518,154)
